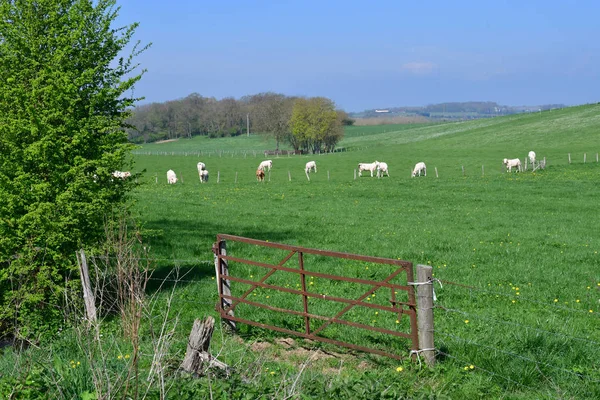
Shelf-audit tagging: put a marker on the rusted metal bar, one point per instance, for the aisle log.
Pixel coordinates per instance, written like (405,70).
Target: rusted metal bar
(358,257)
(368,293)
(325,297)
(319,338)
(264,278)
(304,297)
(317,274)
(319,317)
(414,328)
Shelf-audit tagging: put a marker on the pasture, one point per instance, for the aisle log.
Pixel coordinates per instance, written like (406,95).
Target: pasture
(527,244)
(524,246)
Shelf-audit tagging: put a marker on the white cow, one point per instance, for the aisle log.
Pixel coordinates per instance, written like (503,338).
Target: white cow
(267,164)
(419,167)
(367,167)
(203,176)
(531,156)
(311,165)
(515,162)
(381,169)
(171,177)
(121,174)
(201,166)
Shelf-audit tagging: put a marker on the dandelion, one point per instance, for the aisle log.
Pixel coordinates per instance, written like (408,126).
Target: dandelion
(376,312)
(213,278)
(466,368)
(268,297)
(78,363)
(577,301)
(517,293)
(556,300)
(397,321)
(312,283)
(591,311)
(119,357)
(471,366)
(272,372)
(466,321)
(126,355)
(588,288)
(366,267)
(251,276)
(514,301)
(399,369)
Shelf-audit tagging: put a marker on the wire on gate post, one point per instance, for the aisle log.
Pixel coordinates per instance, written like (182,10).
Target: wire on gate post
(429,282)
(416,352)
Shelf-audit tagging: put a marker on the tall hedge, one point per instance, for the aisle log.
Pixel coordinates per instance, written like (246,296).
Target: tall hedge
(65,92)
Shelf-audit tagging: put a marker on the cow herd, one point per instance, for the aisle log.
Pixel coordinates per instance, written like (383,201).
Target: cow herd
(380,169)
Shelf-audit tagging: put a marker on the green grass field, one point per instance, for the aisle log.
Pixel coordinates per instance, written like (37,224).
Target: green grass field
(526,244)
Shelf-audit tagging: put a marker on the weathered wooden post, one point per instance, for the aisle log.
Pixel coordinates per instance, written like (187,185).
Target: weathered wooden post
(584,157)
(235,176)
(218,176)
(327,175)
(290,176)
(223,284)
(355,174)
(88,294)
(197,357)
(569,158)
(425,312)
(436,174)
(525,163)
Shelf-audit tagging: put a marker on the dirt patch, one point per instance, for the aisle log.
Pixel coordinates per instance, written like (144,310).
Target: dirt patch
(260,346)
(166,141)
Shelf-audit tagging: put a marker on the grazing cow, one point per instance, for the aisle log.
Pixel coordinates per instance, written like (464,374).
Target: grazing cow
(311,165)
(382,168)
(531,156)
(171,177)
(201,166)
(267,164)
(419,167)
(367,167)
(515,162)
(203,176)
(121,174)
(260,175)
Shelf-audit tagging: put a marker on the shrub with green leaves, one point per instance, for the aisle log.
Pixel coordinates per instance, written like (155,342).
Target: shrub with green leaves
(63,101)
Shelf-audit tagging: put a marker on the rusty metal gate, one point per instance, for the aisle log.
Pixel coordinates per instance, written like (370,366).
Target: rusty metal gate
(228,302)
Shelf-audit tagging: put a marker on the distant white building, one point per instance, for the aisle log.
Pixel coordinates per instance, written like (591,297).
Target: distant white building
(382,111)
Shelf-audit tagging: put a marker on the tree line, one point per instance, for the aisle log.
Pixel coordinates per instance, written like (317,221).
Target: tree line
(307,124)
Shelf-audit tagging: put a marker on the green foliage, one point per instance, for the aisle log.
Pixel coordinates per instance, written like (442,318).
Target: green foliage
(315,125)
(63,104)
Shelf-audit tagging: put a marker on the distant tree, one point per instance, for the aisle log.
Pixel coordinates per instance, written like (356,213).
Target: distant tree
(315,125)
(64,97)
(345,118)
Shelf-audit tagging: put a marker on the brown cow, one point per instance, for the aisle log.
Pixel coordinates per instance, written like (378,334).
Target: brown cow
(260,175)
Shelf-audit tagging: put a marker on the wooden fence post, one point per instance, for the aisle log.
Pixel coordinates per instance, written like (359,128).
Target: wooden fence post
(235,176)
(436,174)
(223,284)
(526,164)
(290,176)
(327,175)
(218,176)
(355,174)
(584,157)
(425,312)
(88,294)
(569,158)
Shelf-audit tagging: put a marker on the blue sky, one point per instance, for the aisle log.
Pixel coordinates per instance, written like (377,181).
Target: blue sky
(371,54)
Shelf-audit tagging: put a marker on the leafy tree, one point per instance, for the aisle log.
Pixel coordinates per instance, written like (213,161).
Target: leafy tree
(63,102)
(315,125)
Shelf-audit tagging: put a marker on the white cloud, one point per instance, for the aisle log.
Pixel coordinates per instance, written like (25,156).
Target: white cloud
(419,68)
